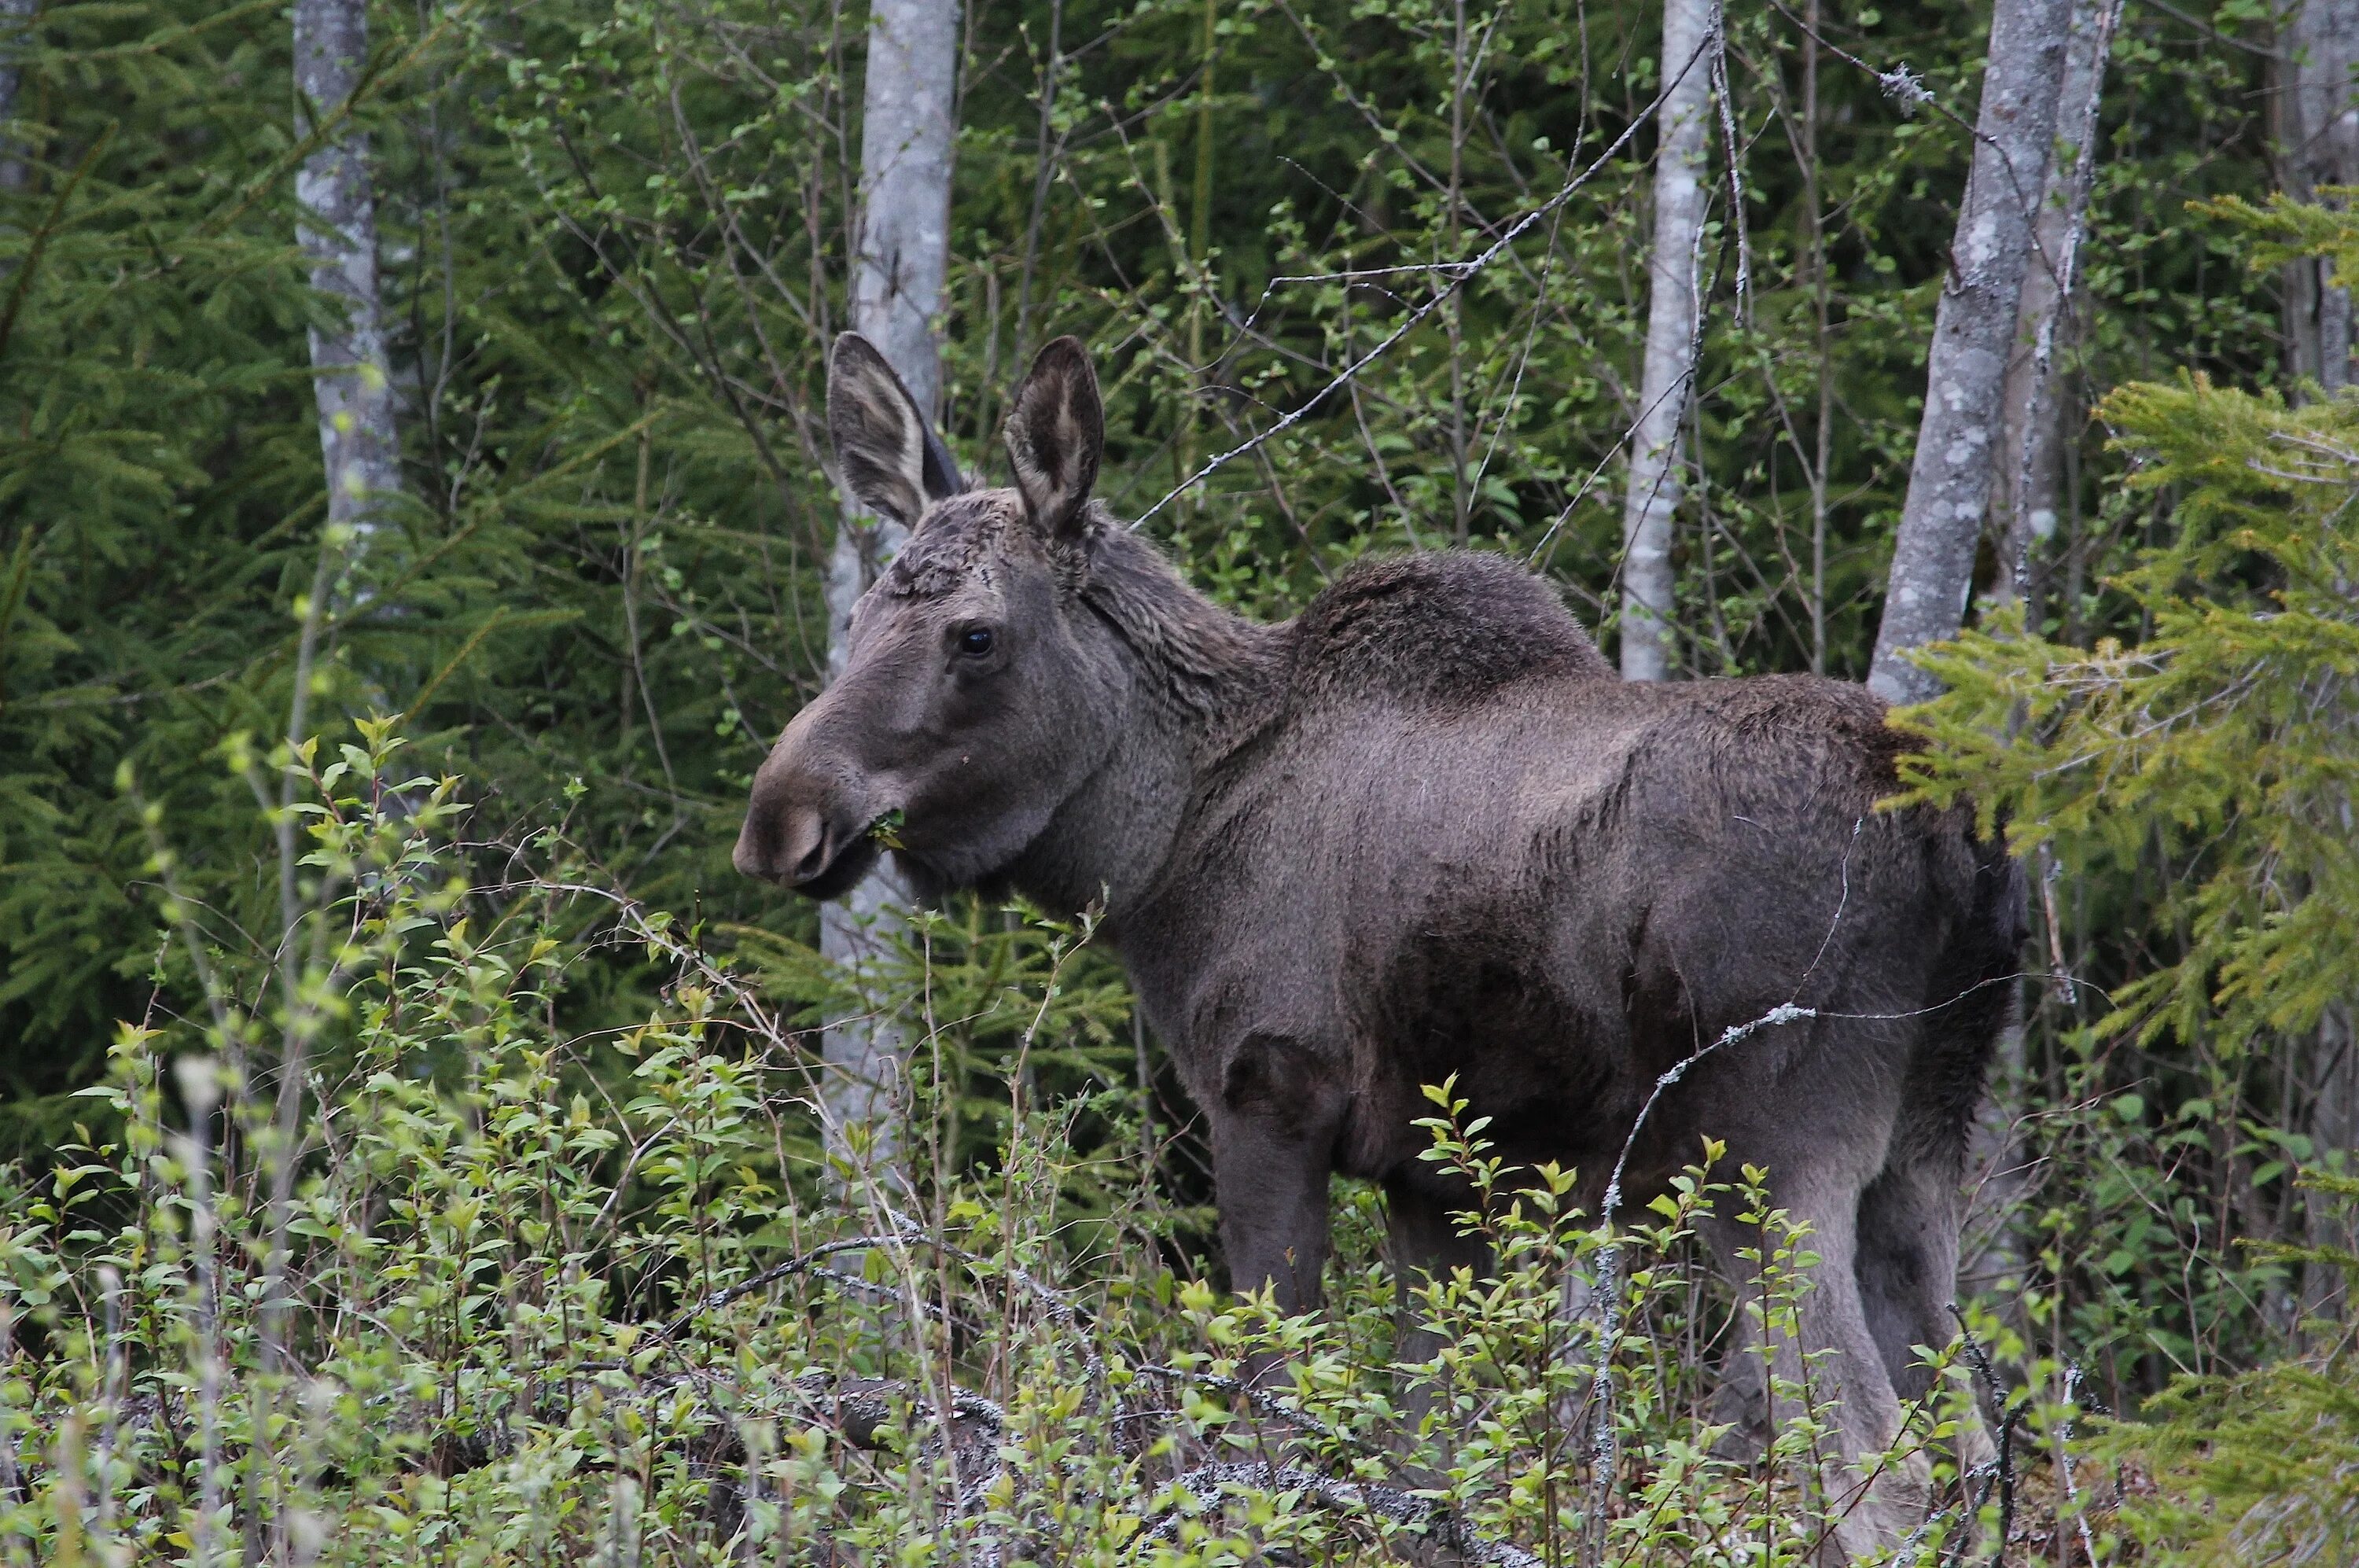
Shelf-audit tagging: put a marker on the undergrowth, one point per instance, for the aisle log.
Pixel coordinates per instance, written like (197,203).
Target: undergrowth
(479,1289)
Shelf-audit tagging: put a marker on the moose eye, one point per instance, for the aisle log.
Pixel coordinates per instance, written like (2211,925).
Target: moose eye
(976,641)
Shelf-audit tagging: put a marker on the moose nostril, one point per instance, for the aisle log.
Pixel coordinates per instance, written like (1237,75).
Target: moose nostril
(798,848)
(814,861)
(788,846)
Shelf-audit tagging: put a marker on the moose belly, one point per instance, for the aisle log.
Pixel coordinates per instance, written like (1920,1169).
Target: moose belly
(1465,1003)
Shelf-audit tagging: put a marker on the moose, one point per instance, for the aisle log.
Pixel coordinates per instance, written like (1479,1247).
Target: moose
(1423,831)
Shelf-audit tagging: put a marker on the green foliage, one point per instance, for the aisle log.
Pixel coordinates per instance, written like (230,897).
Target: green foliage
(613,240)
(2282,230)
(2262,1467)
(2225,730)
(1000,996)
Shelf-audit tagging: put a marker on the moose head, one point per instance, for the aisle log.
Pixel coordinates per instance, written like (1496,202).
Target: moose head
(982,690)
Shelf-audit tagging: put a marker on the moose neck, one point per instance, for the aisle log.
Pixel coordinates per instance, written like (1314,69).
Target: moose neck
(1202,681)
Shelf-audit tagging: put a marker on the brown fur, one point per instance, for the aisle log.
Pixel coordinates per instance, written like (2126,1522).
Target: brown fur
(1421,831)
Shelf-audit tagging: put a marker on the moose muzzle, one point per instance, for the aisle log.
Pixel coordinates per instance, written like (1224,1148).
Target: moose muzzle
(807,826)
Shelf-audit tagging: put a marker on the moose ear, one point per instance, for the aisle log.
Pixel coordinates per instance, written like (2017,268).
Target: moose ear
(892,463)
(1056,433)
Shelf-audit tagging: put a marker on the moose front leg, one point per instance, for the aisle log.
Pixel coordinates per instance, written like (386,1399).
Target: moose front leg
(1271,1183)
(1273,1144)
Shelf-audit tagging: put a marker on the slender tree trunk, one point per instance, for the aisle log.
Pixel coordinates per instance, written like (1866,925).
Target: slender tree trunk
(1690,32)
(2031,463)
(899,266)
(2026,489)
(2334,1141)
(16,22)
(2317,143)
(1973,329)
(353,393)
(1824,434)
(351,383)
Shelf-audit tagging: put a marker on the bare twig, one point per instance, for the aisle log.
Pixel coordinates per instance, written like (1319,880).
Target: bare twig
(2064,1462)
(1460,273)
(2004,1459)
(1609,1257)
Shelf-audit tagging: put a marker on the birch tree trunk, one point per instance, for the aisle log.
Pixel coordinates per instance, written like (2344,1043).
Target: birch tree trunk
(898,264)
(2318,142)
(16,22)
(2028,489)
(1690,32)
(1974,331)
(338,229)
(2334,1142)
(2316,110)
(2032,456)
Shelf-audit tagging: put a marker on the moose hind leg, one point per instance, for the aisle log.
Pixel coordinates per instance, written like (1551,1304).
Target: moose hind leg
(1835,1363)
(1907,1265)
(1740,1400)
(1909,1227)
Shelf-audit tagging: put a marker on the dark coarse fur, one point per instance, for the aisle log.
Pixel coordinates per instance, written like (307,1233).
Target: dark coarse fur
(1438,628)
(1423,831)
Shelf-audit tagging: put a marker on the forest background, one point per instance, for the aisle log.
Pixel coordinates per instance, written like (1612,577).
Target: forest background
(614,242)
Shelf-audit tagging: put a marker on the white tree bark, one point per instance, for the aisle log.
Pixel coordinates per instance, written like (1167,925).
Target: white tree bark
(1974,331)
(16,23)
(338,229)
(2318,137)
(2334,1141)
(899,261)
(2026,487)
(1690,33)
(2032,457)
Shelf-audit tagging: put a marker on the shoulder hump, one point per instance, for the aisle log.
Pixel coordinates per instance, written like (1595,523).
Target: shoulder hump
(1441,626)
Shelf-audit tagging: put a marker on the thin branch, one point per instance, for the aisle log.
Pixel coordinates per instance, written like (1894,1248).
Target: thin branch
(1462,272)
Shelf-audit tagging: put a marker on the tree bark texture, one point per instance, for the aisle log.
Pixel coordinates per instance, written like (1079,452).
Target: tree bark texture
(2318,143)
(2317,139)
(899,262)
(2027,488)
(1690,34)
(16,23)
(338,231)
(2032,457)
(2334,1145)
(1973,331)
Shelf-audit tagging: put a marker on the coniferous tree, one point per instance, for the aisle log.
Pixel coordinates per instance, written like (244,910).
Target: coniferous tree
(2219,738)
